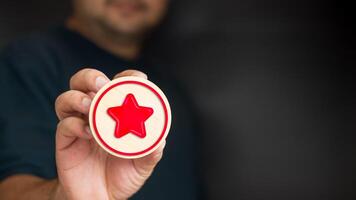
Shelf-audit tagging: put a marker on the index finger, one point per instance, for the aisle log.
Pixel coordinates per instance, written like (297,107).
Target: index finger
(88,80)
(131,72)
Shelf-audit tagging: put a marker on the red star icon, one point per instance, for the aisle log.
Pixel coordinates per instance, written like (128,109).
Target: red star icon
(130,117)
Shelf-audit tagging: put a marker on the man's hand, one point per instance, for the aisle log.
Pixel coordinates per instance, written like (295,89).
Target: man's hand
(85,170)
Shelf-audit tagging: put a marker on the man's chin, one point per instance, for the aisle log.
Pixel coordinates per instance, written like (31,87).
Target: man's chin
(129,29)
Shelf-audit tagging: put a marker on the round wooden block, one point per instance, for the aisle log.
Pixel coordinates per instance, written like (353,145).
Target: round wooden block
(130,117)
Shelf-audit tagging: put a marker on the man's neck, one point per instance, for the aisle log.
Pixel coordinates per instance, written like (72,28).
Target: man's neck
(119,46)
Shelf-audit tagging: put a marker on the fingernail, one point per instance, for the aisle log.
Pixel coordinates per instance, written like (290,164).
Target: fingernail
(100,82)
(86,102)
(87,131)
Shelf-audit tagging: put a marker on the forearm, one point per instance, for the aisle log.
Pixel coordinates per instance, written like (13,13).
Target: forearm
(30,187)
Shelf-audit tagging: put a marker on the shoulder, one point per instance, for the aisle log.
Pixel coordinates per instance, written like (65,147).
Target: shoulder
(32,53)
(32,46)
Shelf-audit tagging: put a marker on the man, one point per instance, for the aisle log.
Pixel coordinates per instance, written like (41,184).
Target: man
(42,158)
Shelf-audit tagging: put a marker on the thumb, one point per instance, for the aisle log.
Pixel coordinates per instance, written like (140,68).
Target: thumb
(145,165)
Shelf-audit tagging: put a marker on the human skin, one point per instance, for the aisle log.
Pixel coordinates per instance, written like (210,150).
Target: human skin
(85,170)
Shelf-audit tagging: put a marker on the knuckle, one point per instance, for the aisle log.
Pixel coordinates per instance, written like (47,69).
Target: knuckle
(74,77)
(69,122)
(90,73)
(58,104)
(88,76)
(58,101)
(62,98)
(59,126)
(64,127)
(72,95)
(134,71)
(66,124)
(131,72)
(77,75)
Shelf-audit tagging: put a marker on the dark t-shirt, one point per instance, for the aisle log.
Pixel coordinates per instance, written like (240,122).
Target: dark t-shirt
(36,69)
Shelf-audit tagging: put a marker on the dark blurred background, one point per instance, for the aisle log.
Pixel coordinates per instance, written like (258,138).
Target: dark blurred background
(274,86)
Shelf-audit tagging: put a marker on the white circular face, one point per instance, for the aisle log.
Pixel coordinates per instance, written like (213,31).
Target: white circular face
(130,117)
